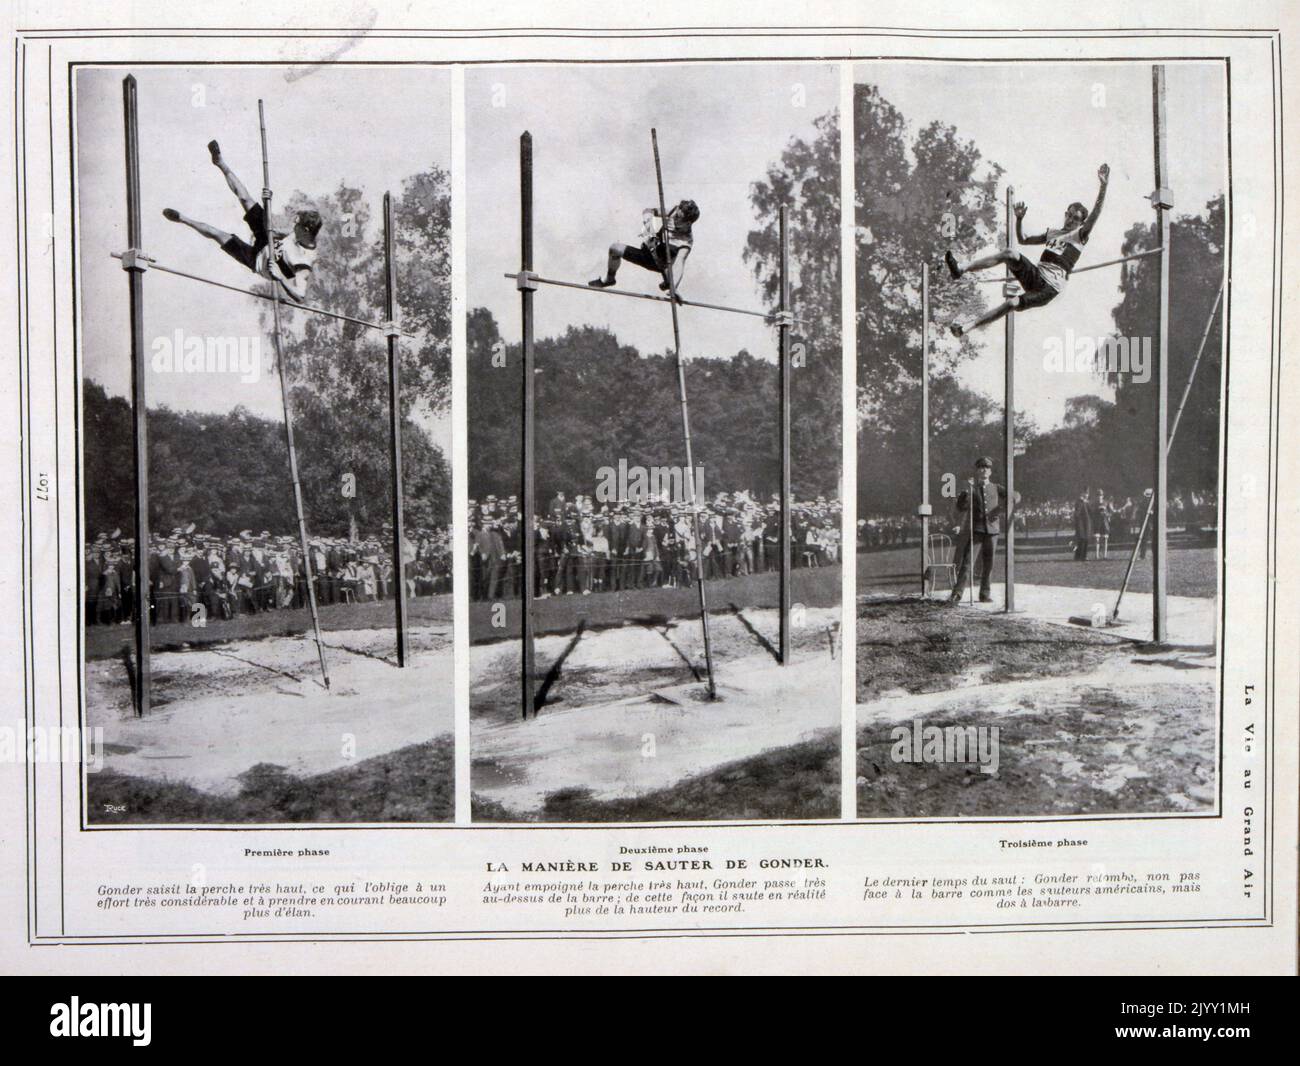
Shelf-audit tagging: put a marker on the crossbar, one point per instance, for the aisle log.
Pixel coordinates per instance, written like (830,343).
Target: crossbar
(765,315)
(1084,270)
(382,327)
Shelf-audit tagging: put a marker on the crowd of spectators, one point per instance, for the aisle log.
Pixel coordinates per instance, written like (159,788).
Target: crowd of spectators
(194,574)
(583,546)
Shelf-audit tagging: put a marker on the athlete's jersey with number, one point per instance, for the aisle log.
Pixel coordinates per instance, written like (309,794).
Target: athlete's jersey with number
(1061,255)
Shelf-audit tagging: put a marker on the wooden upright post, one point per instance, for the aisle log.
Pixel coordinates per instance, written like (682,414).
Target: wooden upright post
(135,266)
(527,286)
(686,426)
(1009,432)
(395,426)
(303,544)
(783,331)
(924,509)
(1162,200)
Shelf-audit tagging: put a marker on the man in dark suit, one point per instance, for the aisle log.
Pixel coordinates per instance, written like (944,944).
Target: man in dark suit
(985,507)
(561,548)
(633,551)
(167,589)
(732,533)
(1082,526)
(617,549)
(513,544)
(126,583)
(109,594)
(93,575)
(202,578)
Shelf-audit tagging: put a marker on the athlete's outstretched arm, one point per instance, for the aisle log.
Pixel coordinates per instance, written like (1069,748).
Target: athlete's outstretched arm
(1021,238)
(679,267)
(296,287)
(1103,175)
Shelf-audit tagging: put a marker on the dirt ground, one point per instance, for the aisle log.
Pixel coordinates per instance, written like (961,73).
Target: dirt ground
(626,720)
(590,666)
(1088,722)
(221,712)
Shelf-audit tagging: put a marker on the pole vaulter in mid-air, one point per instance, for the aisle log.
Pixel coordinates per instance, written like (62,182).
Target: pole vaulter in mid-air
(1045,280)
(285,259)
(666,241)
(295,251)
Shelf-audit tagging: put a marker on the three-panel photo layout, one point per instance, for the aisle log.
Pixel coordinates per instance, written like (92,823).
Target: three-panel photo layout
(651,443)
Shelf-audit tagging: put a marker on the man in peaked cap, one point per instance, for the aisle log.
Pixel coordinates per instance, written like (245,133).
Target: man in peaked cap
(985,506)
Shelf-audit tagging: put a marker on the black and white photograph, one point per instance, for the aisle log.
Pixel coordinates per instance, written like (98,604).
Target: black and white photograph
(265,443)
(720,489)
(648,247)
(1041,272)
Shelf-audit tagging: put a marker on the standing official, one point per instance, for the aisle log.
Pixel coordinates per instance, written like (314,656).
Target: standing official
(985,507)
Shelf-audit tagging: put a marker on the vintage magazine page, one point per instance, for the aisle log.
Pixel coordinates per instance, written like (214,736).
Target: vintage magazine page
(560,489)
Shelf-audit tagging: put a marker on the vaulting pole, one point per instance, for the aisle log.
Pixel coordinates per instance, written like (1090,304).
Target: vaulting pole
(527,285)
(1162,200)
(970,535)
(686,423)
(1009,431)
(135,267)
(395,426)
(924,509)
(284,397)
(1173,432)
(783,331)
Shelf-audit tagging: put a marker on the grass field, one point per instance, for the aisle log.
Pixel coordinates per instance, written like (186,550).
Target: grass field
(651,645)
(109,642)
(1192,568)
(412,784)
(1088,722)
(791,783)
(815,587)
(904,646)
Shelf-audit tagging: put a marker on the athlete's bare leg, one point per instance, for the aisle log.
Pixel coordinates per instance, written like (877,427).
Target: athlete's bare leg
(1004,308)
(232,179)
(998,258)
(211,232)
(612,263)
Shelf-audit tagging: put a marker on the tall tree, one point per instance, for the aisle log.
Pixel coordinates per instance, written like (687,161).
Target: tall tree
(806,179)
(339,370)
(917,194)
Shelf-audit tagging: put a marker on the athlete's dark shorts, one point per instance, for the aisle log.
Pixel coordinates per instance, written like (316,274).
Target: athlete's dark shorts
(1037,291)
(645,257)
(243,252)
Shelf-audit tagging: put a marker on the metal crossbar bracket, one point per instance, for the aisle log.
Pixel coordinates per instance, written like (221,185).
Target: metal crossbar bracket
(526,281)
(1162,197)
(1010,288)
(390,329)
(135,259)
(925,510)
(783,318)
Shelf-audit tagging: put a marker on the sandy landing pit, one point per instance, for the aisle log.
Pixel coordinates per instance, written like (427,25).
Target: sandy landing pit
(221,710)
(646,735)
